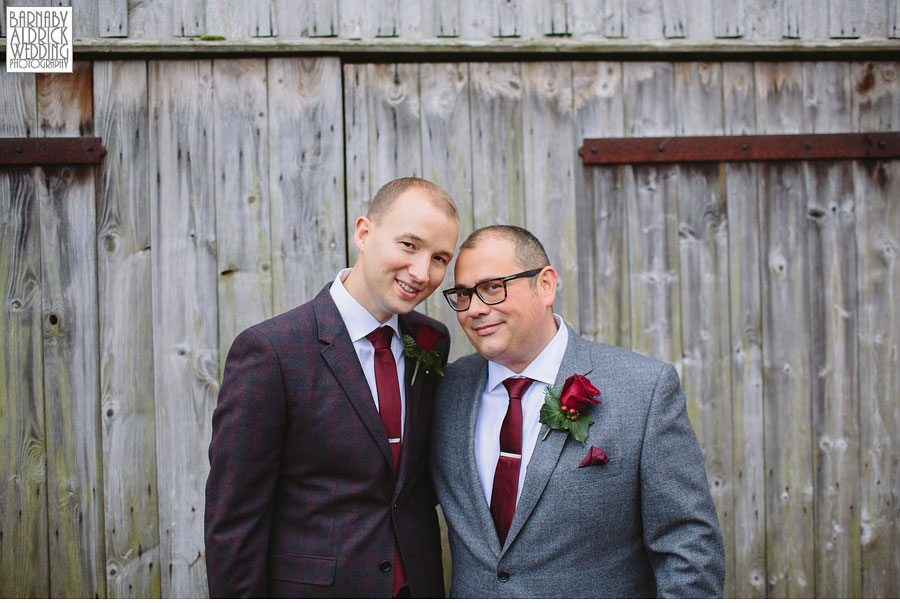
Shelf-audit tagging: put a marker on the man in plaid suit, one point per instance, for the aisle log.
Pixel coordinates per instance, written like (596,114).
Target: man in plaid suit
(308,496)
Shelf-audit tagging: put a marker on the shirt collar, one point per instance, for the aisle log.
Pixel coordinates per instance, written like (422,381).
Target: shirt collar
(358,320)
(544,368)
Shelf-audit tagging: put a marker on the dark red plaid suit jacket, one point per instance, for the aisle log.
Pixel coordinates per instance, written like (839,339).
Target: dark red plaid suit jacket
(301,499)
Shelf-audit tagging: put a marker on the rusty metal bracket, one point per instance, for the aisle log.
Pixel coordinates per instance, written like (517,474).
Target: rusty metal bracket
(51,151)
(780,147)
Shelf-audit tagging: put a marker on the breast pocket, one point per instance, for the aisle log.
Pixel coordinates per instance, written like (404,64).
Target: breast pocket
(305,569)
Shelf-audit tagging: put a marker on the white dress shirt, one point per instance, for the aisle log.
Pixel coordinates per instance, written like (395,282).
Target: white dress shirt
(495,402)
(359,323)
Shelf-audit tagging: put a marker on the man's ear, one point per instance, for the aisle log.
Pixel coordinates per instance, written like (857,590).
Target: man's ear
(361,231)
(547,281)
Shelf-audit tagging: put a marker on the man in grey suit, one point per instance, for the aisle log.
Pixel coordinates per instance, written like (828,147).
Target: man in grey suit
(531,511)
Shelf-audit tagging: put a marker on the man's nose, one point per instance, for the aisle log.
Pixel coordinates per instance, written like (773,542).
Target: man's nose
(418,268)
(477,307)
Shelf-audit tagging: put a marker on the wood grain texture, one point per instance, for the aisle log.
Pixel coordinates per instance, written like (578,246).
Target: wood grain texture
(604,307)
(728,19)
(704,277)
(830,208)
(876,90)
(764,19)
(844,18)
(306,177)
(786,352)
(652,198)
(447,161)
(71,368)
(185,342)
(227,18)
(645,19)
(596,18)
(243,240)
(446,18)
(745,326)
(113,18)
(126,333)
(151,19)
(190,19)
(261,19)
(547,119)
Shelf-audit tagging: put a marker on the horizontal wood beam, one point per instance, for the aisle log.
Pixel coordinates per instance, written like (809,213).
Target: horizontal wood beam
(497,49)
(51,151)
(788,147)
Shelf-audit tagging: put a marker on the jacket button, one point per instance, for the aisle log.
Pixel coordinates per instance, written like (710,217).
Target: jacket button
(503,575)
(385,566)
(396,505)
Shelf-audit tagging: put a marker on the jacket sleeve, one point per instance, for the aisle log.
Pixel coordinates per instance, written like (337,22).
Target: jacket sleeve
(681,531)
(244,456)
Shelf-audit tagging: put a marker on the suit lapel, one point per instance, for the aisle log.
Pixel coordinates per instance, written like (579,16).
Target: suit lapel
(546,452)
(413,394)
(340,355)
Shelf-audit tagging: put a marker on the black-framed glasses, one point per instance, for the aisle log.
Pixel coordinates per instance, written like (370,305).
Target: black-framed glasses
(491,292)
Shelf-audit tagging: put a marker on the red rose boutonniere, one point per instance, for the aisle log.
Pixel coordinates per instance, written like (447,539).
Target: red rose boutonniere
(564,411)
(420,347)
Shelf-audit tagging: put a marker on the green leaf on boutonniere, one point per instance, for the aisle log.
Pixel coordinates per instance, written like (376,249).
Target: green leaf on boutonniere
(429,358)
(553,417)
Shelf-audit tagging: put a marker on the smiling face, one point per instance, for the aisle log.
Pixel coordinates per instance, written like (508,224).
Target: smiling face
(403,255)
(516,330)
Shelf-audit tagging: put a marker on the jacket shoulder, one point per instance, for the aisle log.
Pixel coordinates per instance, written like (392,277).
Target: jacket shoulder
(415,319)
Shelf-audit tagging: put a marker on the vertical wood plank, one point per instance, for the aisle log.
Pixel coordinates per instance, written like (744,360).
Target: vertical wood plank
(260,19)
(151,19)
(474,21)
(805,19)
(832,285)
(414,19)
(394,136)
(874,18)
(675,19)
(703,256)
(24,562)
(353,24)
(323,18)
(645,19)
(227,18)
(244,253)
(113,16)
(652,205)
(596,18)
(728,19)
(790,535)
(547,118)
(71,367)
(306,177)
(745,323)
(844,18)
(893,24)
(555,20)
(604,308)
(356,147)
(447,161)
(185,342)
(190,19)
(876,106)
(85,17)
(126,332)
(764,19)
(506,18)
(291,19)
(386,18)
(446,18)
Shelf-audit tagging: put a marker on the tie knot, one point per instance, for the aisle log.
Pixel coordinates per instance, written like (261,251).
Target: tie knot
(381,337)
(516,386)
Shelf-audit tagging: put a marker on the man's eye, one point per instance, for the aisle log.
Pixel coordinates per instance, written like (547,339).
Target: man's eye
(492,287)
(463,294)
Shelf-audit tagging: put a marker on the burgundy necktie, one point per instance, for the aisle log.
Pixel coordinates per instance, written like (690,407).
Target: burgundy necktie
(388,387)
(506,477)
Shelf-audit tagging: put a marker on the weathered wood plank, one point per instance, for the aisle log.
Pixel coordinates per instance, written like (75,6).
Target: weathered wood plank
(728,19)
(786,351)
(151,19)
(446,18)
(675,19)
(306,177)
(190,19)
(604,308)
(703,257)
(498,163)
(243,241)
(876,101)
(764,19)
(893,24)
(126,333)
(805,19)
(447,161)
(227,18)
(844,18)
(745,323)
(833,328)
(291,19)
(185,342)
(506,18)
(475,22)
(71,367)
(354,24)
(547,119)
(645,19)
(386,17)
(113,15)
(356,146)
(596,18)
(260,19)
(24,561)
(652,201)
(323,18)
(393,119)
(554,17)
(414,19)
(85,17)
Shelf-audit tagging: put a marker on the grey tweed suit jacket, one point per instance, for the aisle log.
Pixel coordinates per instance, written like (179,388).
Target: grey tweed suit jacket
(643,525)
